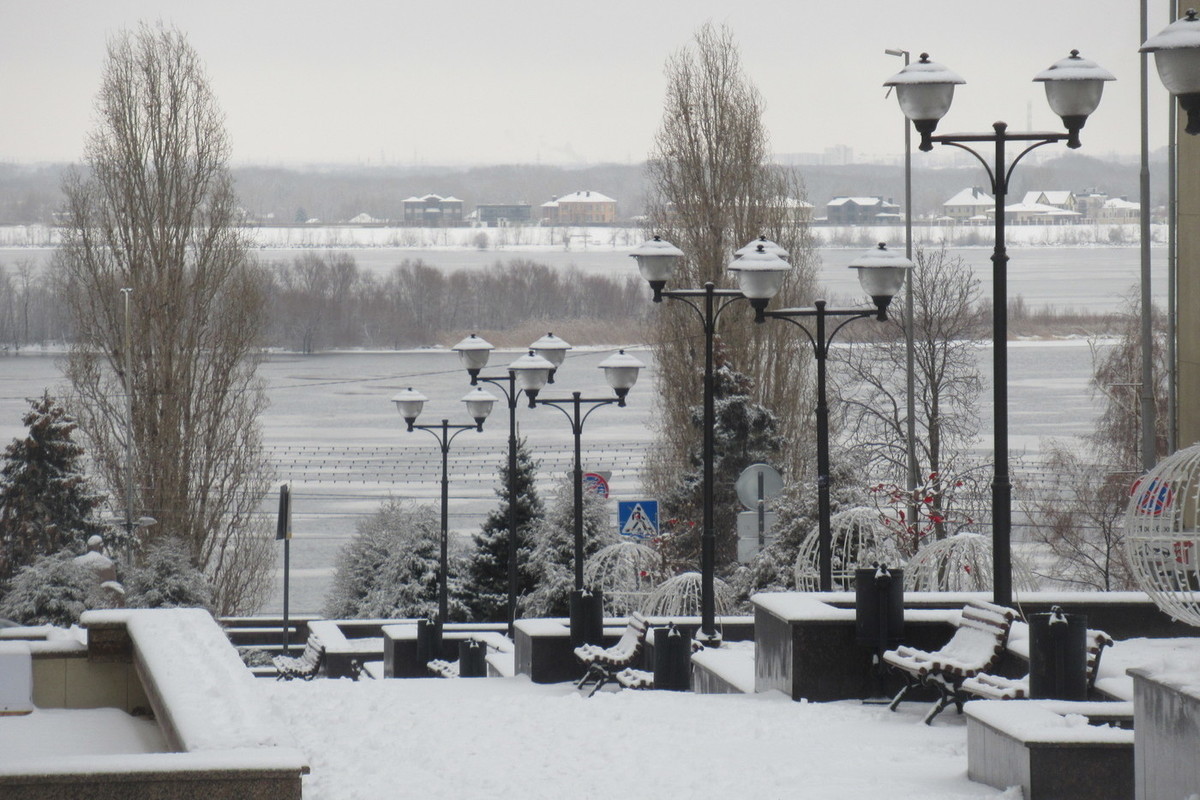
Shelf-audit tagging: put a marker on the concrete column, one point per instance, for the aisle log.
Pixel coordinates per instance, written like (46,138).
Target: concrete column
(1188,281)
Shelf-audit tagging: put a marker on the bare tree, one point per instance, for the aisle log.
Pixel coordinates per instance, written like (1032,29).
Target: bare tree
(1079,512)
(154,212)
(947,325)
(712,190)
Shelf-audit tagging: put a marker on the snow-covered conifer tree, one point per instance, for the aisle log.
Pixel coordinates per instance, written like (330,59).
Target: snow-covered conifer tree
(46,500)
(486,585)
(554,549)
(390,569)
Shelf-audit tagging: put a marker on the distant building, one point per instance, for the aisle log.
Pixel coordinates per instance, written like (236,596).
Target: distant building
(499,215)
(1090,203)
(432,211)
(860,210)
(580,208)
(969,204)
(1062,200)
(1118,209)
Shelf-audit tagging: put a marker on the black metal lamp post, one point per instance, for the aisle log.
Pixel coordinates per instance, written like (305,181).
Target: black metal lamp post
(882,275)
(474,352)
(479,404)
(621,371)
(763,273)
(1073,89)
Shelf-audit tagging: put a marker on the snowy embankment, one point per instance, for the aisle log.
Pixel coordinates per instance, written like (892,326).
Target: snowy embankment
(507,737)
(534,238)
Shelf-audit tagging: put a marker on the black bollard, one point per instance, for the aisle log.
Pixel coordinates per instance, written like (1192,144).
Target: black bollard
(1058,655)
(672,659)
(472,659)
(587,617)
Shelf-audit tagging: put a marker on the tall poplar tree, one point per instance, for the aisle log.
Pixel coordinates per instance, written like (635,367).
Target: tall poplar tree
(713,189)
(153,211)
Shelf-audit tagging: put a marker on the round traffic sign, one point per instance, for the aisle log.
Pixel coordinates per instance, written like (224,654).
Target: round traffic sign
(758,481)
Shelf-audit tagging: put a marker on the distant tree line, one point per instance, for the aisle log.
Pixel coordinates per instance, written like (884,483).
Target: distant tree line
(320,301)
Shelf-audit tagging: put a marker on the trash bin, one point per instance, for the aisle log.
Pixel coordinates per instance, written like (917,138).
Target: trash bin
(429,640)
(587,617)
(672,659)
(1058,655)
(472,661)
(878,607)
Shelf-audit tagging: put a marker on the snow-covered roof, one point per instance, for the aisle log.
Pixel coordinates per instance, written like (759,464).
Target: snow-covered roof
(1028,207)
(970,197)
(1121,202)
(860,201)
(585,197)
(363,218)
(1054,198)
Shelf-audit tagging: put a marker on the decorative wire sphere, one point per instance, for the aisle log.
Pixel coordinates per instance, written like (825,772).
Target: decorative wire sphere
(1162,534)
(626,572)
(858,538)
(960,563)
(680,597)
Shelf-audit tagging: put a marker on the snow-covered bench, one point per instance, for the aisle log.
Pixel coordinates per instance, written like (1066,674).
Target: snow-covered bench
(304,666)
(976,647)
(994,687)
(603,663)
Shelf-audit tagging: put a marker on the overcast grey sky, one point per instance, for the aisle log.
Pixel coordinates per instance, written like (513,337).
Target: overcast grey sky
(403,82)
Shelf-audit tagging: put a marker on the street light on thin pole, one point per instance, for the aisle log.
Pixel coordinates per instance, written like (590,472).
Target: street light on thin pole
(882,274)
(910,360)
(474,352)
(761,272)
(1073,89)
(479,404)
(621,371)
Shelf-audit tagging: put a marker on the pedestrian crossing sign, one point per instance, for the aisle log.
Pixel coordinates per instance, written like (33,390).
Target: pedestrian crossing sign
(638,518)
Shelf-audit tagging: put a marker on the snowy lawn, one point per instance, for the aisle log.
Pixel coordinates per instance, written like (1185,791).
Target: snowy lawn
(507,737)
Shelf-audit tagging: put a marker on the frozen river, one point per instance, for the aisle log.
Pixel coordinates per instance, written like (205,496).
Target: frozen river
(333,434)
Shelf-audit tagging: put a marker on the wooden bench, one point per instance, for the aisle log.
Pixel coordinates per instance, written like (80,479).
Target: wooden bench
(976,647)
(305,666)
(985,686)
(603,663)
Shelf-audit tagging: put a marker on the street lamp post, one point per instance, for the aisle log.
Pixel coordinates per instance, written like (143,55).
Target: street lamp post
(621,371)
(762,272)
(479,404)
(910,360)
(882,275)
(1073,89)
(474,352)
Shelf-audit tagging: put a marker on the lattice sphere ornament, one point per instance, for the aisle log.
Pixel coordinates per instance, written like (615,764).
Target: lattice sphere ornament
(858,538)
(961,563)
(626,572)
(1162,534)
(680,597)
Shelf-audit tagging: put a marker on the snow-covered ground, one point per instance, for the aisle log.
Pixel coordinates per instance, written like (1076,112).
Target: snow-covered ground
(507,737)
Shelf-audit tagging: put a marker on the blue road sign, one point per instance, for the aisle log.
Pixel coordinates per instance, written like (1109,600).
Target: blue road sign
(638,518)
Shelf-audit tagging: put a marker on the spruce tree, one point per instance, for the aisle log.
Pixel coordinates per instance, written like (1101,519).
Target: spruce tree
(390,569)
(486,589)
(554,548)
(746,432)
(46,501)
